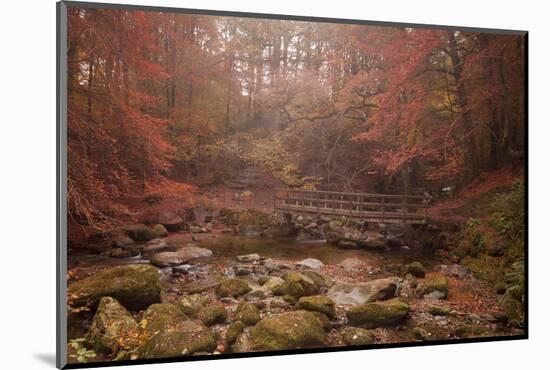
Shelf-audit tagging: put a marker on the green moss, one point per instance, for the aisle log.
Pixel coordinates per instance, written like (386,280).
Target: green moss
(110,323)
(289,330)
(377,314)
(134,286)
(247,313)
(161,317)
(357,336)
(232,288)
(299,285)
(416,269)
(187,339)
(141,233)
(192,304)
(233,331)
(432,284)
(439,310)
(215,314)
(317,303)
(471,331)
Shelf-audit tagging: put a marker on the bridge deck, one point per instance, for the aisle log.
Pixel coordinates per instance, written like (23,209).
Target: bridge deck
(383,208)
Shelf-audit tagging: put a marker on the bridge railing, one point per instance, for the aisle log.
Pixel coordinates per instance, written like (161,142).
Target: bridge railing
(372,207)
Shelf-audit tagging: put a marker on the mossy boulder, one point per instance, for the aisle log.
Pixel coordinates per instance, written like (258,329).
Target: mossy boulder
(361,293)
(317,303)
(416,269)
(357,336)
(135,286)
(299,285)
(161,317)
(229,287)
(215,314)
(191,304)
(110,323)
(378,314)
(247,313)
(439,310)
(160,230)
(187,338)
(275,285)
(435,286)
(289,330)
(141,233)
(233,331)
(471,331)
(319,279)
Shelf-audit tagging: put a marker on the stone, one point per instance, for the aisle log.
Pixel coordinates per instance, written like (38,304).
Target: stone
(181,256)
(111,322)
(135,286)
(357,336)
(229,287)
(187,338)
(161,317)
(411,280)
(270,265)
(171,221)
(247,313)
(361,293)
(421,334)
(416,269)
(289,330)
(274,285)
(192,304)
(439,310)
(317,303)
(121,241)
(310,263)
(233,331)
(241,270)
(433,287)
(378,314)
(335,234)
(161,230)
(299,285)
(249,258)
(319,279)
(140,232)
(215,314)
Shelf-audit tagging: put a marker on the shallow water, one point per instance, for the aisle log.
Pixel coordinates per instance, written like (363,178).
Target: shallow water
(229,247)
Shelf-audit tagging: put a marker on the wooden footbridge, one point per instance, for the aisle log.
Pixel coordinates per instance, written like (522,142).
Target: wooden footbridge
(381,208)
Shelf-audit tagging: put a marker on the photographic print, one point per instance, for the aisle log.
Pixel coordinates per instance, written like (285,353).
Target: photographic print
(242,184)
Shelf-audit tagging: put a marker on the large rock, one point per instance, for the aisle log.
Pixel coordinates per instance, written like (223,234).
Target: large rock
(416,269)
(357,336)
(254,223)
(160,229)
(378,314)
(232,288)
(111,322)
(274,284)
(187,338)
(289,330)
(161,317)
(317,303)
(345,237)
(192,304)
(134,286)
(433,287)
(310,263)
(215,314)
(298,285)
(361,293)
(319,279)
(140,232)
(247,313)
(181,256)
(171,221)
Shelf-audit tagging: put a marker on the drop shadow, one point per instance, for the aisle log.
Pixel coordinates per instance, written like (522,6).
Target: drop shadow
(46,358)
